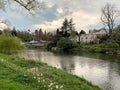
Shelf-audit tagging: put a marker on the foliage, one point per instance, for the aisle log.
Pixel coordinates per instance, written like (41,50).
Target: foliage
(111,44)
(20,74)
(66,44)
(24,36)
(103,38)
(9,43)
(117,34)
(67,27)
(73,34)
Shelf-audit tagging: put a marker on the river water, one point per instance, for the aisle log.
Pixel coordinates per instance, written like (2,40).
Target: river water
(102,70)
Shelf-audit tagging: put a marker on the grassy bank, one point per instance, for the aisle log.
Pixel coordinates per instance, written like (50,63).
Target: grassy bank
(20,74)
(99,48)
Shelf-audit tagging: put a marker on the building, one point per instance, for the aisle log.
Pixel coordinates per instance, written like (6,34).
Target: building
(92,36)
(88,38)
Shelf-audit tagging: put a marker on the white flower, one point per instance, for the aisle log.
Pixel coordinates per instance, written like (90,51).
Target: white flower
(61,86)
(41,74)
(56,86)
(25,75)
(43,80)
(38,80)
(38,75)
(2,60)
(34,77)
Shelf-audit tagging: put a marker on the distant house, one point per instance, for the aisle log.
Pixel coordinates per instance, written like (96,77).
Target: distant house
(92,36)
(100,33)
(88,38)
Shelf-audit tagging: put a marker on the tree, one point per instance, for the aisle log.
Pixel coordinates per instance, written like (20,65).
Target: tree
(40,34)
(27,4)
(108,17)
(117,34)
(24,36)
(9,43)
(13,32)
(67,27)
(71,25)
(66,44)
(80,33)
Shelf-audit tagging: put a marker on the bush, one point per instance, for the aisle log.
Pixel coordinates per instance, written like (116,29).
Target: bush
(66,44)
(111,44)
(9,43)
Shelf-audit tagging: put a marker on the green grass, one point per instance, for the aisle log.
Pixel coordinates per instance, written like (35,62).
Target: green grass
(20,74)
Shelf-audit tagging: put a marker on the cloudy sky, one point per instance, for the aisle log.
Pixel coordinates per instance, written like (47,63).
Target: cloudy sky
(85,13)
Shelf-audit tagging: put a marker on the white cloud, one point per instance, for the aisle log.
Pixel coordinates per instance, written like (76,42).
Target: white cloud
(49,25)
(59,10)
(85,13)
(3,26)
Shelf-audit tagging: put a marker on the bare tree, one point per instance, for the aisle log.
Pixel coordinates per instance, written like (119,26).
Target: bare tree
(108,17)
(27,4)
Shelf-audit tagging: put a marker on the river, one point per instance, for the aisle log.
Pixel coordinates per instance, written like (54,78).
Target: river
(102,70)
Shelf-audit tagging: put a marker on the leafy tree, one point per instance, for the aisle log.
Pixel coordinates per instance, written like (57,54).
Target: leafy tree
(9,43)
(117,34)
(13,32)
(66,44)
(67,27)
(71,25)
(80,33)
(0,32)
(73,34)
(24,36)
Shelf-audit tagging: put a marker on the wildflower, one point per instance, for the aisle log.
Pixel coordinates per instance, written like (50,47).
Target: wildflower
(41,74)
(38,75)
(38,80)
(25,75)
(2,60)
(51,84)
(34,77)
(61,86)
(43,80)
(56,86)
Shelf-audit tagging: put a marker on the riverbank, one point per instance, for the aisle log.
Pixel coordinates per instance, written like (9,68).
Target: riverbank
(99,48)
(20,74)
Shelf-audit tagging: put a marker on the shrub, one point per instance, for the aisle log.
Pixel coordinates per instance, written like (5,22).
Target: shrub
(9,43)
(111,44)
(66,44)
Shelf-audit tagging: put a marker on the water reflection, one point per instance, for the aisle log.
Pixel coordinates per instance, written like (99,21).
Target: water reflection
(102,70)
